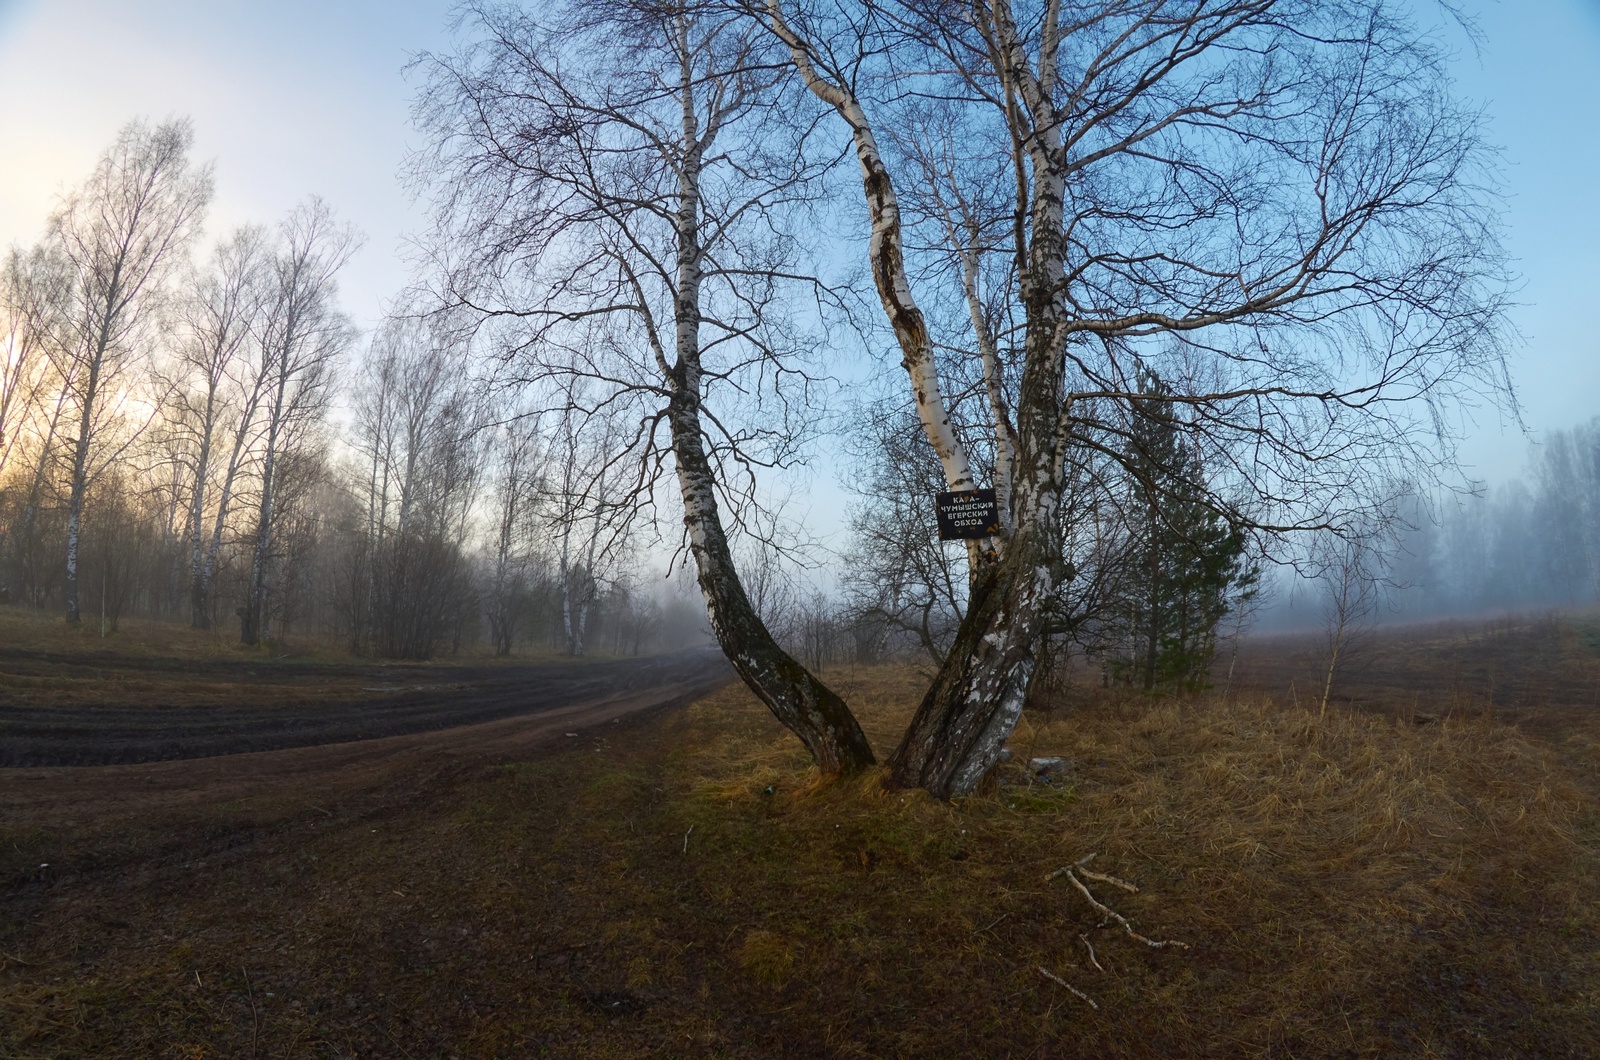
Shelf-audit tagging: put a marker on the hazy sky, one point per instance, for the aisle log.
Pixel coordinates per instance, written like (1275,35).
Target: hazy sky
(296,97)
(290,98)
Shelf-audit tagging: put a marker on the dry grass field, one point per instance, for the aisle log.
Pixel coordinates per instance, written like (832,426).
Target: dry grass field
(1416,873)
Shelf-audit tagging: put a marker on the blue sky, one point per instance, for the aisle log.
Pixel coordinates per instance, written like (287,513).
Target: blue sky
(1538,75)
(298,97)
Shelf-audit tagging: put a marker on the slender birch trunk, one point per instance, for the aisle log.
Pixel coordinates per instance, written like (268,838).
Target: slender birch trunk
(80,473)
(805,705)
(253,617)
(206,562)
(199,607)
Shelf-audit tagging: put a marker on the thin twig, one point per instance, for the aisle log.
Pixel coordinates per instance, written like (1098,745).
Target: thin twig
(255,1016)
(1103,878)
(1090,947)
(1074,991)
(997,920)
(1080,863)
(686,836)
(1112,914)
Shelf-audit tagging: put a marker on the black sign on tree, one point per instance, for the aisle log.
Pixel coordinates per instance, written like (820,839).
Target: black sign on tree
(966,514)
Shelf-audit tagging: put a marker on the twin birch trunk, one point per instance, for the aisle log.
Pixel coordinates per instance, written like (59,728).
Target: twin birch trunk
(975,699)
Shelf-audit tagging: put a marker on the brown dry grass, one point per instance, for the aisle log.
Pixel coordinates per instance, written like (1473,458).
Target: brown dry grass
(1353,885)
(146,663)
(39,631)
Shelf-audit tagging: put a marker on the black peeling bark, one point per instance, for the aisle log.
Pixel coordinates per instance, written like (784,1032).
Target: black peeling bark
(796,697)
(973,704)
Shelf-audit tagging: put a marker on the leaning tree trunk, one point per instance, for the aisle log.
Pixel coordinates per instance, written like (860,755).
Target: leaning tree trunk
(806,706)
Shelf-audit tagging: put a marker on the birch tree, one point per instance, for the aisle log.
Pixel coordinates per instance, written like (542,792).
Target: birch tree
(303,333)
(612,182)
(218,329)
(421,425)
(579,496)
(1275,203)
(898,573)
(1350,567)
(589,511)
(33,289)
(121,234)
(519,469)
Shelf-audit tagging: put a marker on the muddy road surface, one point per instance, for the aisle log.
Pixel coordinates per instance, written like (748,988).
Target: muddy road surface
(85,710)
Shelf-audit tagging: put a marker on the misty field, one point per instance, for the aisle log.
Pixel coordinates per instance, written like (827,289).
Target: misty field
(1414,873)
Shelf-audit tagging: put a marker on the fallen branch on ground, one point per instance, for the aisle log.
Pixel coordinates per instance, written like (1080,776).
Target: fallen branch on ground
(1071,872)
(1068,987)
(1080,868)
(1103,878)
(1090,947)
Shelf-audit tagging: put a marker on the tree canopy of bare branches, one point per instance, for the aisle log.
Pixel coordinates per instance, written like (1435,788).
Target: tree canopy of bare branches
(119,235)
(303,333)
(1278,205)
(614,184)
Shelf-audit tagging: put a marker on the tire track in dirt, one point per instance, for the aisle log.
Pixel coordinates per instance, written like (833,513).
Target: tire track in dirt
(269,784)
(121,734)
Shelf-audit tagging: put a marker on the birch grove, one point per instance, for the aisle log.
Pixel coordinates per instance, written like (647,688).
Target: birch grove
(219,476)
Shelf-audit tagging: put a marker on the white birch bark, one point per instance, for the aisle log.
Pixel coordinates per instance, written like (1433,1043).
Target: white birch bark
(886,253)
(120,235)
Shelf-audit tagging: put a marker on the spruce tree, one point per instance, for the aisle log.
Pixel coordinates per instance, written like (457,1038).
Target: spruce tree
(1185,561)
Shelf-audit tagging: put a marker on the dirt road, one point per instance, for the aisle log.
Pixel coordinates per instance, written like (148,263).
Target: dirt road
(229,708)
(156,772)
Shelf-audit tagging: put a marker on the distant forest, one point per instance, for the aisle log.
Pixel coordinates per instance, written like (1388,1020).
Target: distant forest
(1530,543)
(168,447)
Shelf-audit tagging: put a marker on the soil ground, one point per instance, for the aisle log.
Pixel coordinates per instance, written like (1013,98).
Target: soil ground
(115,710)
(1414,873)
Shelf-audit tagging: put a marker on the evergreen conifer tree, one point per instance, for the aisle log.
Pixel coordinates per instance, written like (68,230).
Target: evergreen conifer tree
(1185,563)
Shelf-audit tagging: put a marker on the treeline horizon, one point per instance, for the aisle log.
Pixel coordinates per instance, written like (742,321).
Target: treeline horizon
(1528,544)
(166,447)
(213,486)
